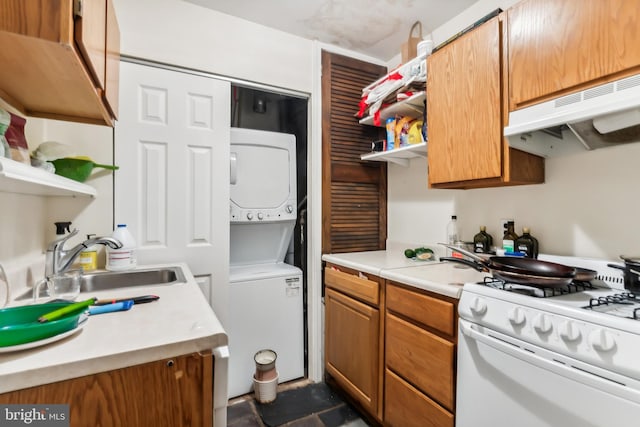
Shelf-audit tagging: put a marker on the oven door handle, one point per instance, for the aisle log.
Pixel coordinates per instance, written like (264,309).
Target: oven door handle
(565,366)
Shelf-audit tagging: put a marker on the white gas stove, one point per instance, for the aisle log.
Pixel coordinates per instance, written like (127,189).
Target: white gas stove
(579,344)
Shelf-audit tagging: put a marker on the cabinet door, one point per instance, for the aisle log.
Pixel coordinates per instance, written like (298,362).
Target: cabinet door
(559,45)
(172,392)
(464,108)
(90,36)
(351,347)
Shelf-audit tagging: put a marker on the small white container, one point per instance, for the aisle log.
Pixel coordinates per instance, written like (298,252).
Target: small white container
(123,258)
(265,391)
(425,47)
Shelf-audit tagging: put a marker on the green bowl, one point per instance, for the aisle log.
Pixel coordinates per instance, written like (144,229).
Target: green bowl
(19,325)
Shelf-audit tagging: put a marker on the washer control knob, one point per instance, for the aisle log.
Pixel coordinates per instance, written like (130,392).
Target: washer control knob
(569,331)
(516,316)
(602,340)
(478,306)
(289,208)
(542,324)
(249,216)
(260,216)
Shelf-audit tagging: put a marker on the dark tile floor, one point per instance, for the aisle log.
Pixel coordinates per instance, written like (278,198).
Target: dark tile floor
(299,405)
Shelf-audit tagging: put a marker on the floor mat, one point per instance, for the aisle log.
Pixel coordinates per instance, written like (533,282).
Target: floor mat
(297,403)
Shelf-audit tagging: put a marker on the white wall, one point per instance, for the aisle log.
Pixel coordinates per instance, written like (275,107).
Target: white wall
(26,222)
(181,33)
(587,207)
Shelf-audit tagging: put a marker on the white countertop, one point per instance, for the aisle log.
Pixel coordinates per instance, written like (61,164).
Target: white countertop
(373,262)
(445,278)
(180,322)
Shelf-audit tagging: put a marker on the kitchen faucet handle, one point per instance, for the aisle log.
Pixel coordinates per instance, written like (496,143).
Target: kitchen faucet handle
(60,241)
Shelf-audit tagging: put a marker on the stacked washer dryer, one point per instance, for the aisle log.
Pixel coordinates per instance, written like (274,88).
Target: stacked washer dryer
(265,294)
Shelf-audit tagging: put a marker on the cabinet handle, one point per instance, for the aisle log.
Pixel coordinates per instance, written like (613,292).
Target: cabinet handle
(170,363)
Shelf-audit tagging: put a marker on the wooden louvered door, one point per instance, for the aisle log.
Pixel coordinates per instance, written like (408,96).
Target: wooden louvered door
(354,192)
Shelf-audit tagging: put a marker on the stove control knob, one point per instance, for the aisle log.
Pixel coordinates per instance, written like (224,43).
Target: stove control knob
(478,306)
(260,216)
(542,324)
(289,209)
(516,316)
(249,216)
(569,331)
(602,340)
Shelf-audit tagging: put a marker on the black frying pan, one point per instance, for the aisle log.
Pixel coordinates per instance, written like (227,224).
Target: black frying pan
(511,277)
(524,271)
(519,265)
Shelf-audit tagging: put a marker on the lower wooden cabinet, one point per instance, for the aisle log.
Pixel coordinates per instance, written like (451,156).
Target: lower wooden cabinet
(392,348)
(170,392)
(420,358)
(353,336)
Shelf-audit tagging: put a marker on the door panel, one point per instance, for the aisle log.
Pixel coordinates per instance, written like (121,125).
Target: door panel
(172,189)
(354,192)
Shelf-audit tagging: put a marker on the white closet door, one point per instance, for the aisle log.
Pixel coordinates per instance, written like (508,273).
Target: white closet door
(172,189)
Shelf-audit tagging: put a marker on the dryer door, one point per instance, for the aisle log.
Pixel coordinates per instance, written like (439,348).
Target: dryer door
(263,176)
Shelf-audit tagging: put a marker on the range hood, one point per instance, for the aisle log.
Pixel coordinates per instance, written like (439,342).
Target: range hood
(602,116)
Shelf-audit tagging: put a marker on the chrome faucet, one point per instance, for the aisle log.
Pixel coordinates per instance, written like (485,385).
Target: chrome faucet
(58,260)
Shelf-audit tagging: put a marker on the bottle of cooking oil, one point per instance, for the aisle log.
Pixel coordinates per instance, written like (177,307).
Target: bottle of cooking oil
(482,241)
(527,244)
(509,238)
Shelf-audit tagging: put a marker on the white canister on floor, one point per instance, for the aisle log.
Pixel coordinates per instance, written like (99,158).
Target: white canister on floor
(123,258)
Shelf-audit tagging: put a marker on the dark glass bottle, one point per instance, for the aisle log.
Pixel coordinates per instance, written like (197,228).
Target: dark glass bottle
(527,244)
(482,241)
(509,238)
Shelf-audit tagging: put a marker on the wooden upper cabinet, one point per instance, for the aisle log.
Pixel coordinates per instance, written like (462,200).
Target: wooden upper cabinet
(562,46)
(60,59)
(463,108)
(466,114)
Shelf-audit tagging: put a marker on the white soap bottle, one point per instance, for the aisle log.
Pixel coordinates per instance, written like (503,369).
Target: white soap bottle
(123,258)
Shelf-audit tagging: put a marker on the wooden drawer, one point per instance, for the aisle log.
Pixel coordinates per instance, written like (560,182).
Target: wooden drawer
(362,288)
(405,406)
(422,358)
(429,311)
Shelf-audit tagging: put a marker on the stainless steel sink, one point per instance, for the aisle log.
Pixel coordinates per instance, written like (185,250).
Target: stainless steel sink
(92,282)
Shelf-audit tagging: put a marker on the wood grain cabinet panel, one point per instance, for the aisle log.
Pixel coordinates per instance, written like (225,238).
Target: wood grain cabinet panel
(466,81)
(57,64)
(171,392)
(406,406)
(463,108)
(351,347)
(422,358)
(561,46)
(429,311)
(361,288)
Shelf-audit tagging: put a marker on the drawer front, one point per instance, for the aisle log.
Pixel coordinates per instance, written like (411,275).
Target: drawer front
(432,312)
(361,288)
(422,358)
(405,406)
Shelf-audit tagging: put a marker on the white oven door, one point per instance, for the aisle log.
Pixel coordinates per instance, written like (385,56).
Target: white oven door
(504,382)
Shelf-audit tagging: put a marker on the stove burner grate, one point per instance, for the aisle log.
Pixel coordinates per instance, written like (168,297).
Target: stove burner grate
(624,299)
(539,291)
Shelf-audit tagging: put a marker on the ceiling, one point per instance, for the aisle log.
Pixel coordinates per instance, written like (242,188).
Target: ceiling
(375,28)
